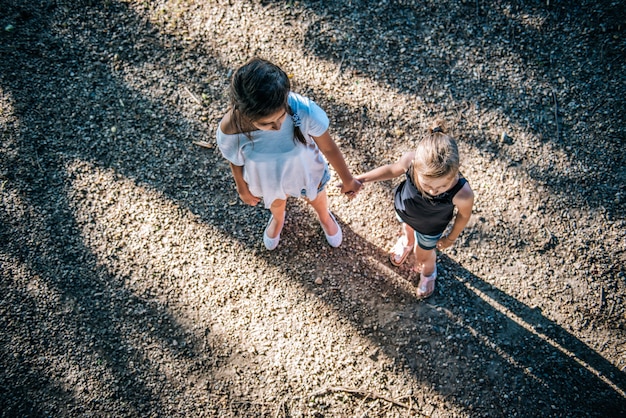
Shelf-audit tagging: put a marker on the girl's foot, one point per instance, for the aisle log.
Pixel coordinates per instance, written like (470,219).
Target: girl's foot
(270,243)
(400,251)
(426,285)
(335,239)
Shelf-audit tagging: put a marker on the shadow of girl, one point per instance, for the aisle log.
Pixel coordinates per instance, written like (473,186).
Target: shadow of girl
(475,345)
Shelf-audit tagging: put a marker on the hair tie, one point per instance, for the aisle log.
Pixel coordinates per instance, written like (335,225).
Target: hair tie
(296,120)
(437,129)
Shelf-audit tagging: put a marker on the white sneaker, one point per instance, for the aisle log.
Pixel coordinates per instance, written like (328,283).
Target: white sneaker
(270,243)
(334,240)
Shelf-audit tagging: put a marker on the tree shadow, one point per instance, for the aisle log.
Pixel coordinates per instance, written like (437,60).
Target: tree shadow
(480,348)
(65,322)
(80,318)
(75,107)
(400,44)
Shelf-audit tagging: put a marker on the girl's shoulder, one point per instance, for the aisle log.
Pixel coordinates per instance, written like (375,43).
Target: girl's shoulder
(314,119)
(406,159)
(298,100)
(230,126)
(465,193)
(303,105)
(227,125)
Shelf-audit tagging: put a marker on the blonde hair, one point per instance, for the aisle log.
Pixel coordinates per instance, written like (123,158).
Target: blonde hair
(436,155)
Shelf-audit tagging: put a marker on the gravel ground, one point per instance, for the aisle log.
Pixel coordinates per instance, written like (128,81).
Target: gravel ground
(133,281)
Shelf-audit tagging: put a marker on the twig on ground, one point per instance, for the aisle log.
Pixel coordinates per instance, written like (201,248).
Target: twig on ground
(596,107)
(340,65)
(363,118)
(280,409)
(556,114)
(203,144)
(359,392)
(361,123)
(368,409)
(193,96)
(601,301)
(37,161)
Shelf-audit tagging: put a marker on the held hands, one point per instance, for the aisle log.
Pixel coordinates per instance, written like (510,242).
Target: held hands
(350,189)
(444,242)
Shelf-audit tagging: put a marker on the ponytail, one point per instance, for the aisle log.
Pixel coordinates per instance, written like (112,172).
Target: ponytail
(297,132)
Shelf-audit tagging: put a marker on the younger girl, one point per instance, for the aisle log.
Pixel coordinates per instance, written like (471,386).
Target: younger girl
(425,202)
(276,141)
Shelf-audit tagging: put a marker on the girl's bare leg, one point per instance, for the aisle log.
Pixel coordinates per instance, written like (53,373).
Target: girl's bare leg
(320,204)
(426,264)
(409,234)
(278,212)
(425,260)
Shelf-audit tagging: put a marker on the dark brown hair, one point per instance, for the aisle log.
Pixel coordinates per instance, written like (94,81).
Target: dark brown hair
(259,89)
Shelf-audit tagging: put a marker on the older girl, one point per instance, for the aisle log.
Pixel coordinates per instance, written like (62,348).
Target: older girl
(278,145)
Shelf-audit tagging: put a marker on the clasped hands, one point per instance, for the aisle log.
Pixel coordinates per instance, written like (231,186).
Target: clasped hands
(350,189)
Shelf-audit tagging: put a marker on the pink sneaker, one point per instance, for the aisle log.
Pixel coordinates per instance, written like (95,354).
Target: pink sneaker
(400,251)
(426,286)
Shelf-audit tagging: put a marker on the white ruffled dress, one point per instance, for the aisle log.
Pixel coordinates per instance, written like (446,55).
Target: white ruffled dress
(275,164)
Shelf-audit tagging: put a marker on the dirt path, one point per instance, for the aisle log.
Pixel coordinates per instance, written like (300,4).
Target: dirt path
(135,283)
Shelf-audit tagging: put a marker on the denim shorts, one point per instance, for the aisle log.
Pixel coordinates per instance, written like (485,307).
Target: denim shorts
(425,242)
(323,182)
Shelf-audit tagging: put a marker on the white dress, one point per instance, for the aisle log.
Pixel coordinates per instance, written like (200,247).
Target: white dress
(275,164)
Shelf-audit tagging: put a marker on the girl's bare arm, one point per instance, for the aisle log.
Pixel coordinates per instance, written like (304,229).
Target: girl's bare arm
(349,184)
(389,171)
(242,187)
(464,201)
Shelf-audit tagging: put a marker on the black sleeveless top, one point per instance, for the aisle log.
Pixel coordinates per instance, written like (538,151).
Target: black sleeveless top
(427,215)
